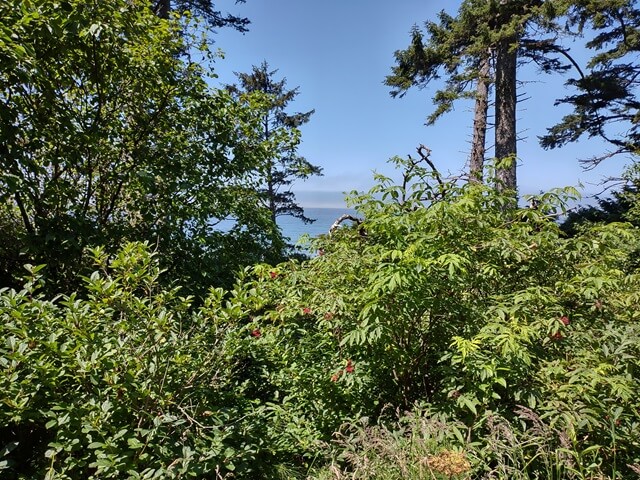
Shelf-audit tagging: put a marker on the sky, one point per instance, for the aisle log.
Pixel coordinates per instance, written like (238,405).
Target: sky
(338,52)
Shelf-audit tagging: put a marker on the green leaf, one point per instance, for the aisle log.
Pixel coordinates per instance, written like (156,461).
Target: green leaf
(134,443)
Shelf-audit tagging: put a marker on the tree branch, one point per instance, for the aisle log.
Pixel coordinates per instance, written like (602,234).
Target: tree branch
(23,213)
(343,218)
(424,153)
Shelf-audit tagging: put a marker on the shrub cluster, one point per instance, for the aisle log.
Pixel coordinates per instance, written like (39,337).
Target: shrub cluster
(514,348)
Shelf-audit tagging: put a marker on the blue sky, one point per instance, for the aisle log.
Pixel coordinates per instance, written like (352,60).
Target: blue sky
(338,53)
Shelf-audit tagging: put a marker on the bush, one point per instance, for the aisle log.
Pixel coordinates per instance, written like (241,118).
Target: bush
(125,382)
(520,343)
(445,296)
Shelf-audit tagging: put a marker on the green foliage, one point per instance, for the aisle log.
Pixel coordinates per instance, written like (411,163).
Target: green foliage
(448,51)
(478,48)
(203,8)
(10,263)
(87,380)
(519,345)
(109,132)
(618,208)
(605,100)
(127,383)
(450,300)
(455,47)
(281,130)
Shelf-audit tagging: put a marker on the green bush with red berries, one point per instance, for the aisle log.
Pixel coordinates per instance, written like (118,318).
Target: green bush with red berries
(521,342)
(445,296)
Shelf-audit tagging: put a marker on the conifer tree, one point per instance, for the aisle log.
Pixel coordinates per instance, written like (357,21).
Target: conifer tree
(449,51)
(480,48)
(282,170)
(205,9)
(605,104)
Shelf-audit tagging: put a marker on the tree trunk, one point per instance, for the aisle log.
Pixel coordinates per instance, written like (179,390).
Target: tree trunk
(162,8)
(476,161)
(505,140)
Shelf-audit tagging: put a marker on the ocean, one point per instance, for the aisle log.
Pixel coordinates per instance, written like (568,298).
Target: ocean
(324,218)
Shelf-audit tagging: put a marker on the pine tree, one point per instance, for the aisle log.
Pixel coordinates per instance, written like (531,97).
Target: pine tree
(284,169)
(449,51)
(605,104)
(203,8)
(478,49)
(617,208)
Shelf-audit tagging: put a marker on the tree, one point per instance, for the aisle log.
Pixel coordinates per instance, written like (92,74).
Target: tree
(622,206)
(107,133)
(449,50)
(479,47)
(613,209)
(606,103)
(202,8)
(507,27)
(285,166)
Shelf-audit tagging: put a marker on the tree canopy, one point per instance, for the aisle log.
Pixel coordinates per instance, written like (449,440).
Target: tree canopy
(605,103)
(150,330)
(478,49)
(108,133)
(205,9)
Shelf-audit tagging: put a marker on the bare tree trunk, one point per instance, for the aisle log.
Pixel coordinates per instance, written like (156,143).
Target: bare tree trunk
(505,140)
(162,8)
(25,216)
(476,161)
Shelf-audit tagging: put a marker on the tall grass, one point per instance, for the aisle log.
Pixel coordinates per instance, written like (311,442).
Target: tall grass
(419,445)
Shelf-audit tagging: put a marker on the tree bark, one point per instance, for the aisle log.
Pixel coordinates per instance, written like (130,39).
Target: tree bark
(476,161)
(24,215)
(162,8)
(505,140)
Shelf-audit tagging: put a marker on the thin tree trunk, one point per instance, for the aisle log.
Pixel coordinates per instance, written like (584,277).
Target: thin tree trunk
(505,140)
(25,216)
(162,8)
(476,161)
(271,193)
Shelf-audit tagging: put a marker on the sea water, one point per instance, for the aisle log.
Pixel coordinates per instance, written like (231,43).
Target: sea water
(294,228)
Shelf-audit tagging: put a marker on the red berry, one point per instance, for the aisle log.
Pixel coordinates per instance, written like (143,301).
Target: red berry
(256,333)
(350,368)
(273,274)
(306,310)
(565,320)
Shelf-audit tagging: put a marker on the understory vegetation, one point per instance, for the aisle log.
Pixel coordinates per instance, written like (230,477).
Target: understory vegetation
(442,340)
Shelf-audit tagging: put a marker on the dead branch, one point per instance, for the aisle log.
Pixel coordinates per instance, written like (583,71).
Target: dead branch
(343,218)
(424,153)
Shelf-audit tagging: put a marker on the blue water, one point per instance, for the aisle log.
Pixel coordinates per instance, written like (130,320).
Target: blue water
(294,228)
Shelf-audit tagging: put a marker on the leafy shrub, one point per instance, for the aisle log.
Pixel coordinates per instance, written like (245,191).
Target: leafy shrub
(125,383)
(519,339)
(477,309)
